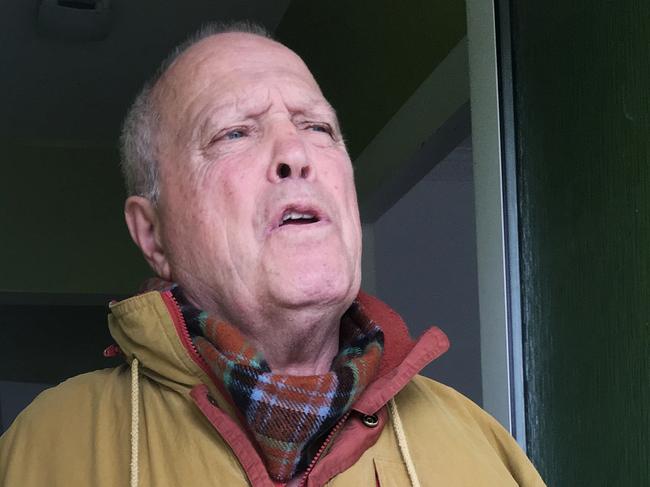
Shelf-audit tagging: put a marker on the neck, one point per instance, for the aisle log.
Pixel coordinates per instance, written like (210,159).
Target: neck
(299,342)
(302,340)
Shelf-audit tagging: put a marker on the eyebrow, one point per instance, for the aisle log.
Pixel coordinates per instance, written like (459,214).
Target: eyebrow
(318,108)
(312,107)
(211,115)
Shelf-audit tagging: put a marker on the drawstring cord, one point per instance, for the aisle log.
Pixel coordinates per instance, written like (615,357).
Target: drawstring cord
(135,418)
(403,444)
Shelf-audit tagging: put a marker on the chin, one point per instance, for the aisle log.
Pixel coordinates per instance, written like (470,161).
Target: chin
(317,290)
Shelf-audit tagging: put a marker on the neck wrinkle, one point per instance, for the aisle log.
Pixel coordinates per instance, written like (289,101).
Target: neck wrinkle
(302,347)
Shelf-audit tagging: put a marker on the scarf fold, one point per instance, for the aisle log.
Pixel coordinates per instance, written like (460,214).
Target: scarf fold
(287,415)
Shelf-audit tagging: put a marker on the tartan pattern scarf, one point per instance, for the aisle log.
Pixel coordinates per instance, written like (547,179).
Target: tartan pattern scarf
(288,416)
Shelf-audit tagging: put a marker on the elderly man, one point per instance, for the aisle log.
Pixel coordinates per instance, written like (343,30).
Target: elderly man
(257,360)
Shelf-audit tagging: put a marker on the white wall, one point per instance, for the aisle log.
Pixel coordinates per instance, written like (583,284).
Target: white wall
(424,253)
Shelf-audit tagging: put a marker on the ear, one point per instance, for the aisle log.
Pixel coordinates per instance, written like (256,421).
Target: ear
(142,220)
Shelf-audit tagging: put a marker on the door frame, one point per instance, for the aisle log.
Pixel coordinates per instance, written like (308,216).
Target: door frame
(495,182)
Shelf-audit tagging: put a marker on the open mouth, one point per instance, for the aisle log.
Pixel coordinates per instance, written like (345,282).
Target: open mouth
(293,217)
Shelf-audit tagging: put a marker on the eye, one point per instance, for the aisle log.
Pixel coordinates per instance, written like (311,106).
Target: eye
(231,134)
(235,134)
(324,128)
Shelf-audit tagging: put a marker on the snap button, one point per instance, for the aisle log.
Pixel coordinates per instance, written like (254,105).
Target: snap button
(370,420)
(212,400)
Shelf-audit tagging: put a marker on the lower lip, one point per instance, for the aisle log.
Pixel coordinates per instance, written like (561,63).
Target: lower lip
(294,227)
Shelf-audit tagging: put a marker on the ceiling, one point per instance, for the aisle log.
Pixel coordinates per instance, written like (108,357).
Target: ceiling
(56,92)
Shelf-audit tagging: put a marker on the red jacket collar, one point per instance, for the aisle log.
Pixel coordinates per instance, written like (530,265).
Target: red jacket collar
(403,357)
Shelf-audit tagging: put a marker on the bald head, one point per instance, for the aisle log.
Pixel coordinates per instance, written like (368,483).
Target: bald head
(232,50)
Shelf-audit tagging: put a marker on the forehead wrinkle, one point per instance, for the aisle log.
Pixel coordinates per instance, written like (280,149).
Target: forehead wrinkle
(315,108)
(243,106)
(238,108)
(251,107)
(195,66)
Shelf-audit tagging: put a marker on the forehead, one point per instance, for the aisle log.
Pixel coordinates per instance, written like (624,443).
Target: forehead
(227,68)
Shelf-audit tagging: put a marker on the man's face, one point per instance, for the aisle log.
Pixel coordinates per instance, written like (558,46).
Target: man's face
(258,208)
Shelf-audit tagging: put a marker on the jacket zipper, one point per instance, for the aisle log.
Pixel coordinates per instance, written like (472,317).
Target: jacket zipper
(322,448)
(184,334)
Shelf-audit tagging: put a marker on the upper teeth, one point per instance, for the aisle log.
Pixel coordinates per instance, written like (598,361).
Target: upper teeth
(294,215)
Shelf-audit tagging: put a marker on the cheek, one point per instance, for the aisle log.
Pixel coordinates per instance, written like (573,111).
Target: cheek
(337,173)
(227,178)
(230,211)
(345,193)
(191,216)
(346,190)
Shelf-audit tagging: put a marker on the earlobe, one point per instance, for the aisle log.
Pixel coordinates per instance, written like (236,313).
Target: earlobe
(142,220)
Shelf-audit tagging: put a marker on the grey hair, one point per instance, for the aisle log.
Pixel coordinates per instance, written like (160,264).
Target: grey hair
(138,140)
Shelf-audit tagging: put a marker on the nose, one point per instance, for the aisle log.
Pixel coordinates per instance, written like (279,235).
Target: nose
(284,170)
(290,160)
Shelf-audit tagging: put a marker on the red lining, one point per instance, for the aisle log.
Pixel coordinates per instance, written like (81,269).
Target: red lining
(235,437)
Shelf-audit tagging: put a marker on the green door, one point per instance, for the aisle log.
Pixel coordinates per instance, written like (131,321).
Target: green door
(581,103)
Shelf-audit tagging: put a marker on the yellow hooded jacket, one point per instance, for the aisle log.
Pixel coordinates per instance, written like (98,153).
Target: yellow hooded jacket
(160,420)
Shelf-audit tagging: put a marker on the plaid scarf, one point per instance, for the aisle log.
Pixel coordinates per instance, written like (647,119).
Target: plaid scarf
(289,416)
